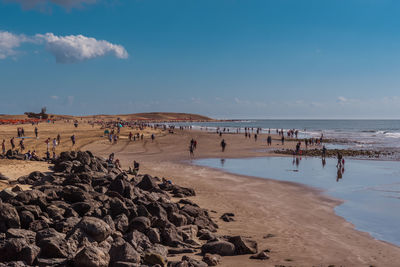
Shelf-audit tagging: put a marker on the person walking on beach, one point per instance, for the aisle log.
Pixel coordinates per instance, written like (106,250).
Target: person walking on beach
(283,140)
(36,132)
(130,136)
(269,140)
(191,151)
(152,137)
(54,144)
(58,139)
(3,147)
(21,145)
(73,139)
(223,145)
(47,143)
(12,143)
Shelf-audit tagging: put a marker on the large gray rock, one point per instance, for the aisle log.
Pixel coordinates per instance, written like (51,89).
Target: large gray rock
(73,194)
(18,249)
(7,194)
(28,235)
(243,245)
(55,246)
(154,259)
(9,217)
(142,224)
(211,259)
(148,183)
(222,248)
(91,256)
(95,228)
(123,251)
(53,262)
(122,223)
(3,178)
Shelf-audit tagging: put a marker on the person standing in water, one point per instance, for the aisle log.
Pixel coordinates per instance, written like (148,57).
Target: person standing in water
(339,159)
(323,152)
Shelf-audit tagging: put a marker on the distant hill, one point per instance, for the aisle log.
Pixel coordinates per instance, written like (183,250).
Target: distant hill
(151,116)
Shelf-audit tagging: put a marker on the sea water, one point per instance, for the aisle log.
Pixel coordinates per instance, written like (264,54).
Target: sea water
(355,134)
(370,188)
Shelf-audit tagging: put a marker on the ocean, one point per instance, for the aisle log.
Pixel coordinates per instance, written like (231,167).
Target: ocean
(370,188)
(352,134)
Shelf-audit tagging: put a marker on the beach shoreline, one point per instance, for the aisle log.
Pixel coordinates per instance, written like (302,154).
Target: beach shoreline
(296,222)
(320,238)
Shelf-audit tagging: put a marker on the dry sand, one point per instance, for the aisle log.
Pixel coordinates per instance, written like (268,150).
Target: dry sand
(304,228)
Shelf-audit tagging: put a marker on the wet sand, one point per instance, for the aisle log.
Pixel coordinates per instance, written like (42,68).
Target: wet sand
(296,223)
(304,228)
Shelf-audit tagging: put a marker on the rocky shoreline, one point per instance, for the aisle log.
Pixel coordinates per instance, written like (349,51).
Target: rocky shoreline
(88,214)
(316,152)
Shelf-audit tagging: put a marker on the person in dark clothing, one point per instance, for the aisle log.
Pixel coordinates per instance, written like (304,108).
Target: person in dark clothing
(223,145)
(323,152)
(73,140)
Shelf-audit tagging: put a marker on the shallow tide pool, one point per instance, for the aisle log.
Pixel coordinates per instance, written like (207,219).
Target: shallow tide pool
(370,189)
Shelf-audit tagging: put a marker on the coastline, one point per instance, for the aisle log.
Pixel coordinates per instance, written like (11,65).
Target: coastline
(296,222)
(301,238)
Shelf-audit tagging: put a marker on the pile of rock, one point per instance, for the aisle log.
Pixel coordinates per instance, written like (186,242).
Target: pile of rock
(12,154)
(332,153)
(86,214)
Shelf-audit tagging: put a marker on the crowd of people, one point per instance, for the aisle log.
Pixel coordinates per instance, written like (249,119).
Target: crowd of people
(112,130)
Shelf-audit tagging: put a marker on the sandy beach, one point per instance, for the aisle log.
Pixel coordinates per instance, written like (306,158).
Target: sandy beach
(296,223)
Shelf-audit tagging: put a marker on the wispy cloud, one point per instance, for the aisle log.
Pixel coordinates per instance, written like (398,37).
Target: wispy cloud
(342,99)
(46,4)
(75,48)
(9,42)
(65,49)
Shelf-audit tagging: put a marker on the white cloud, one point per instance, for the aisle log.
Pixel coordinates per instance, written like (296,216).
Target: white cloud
(75,48)
(44,4)
(66,49)
(342,99)
(8,43)
(55,97)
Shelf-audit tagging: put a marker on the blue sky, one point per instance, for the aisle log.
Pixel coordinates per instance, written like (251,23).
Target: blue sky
(222,58)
